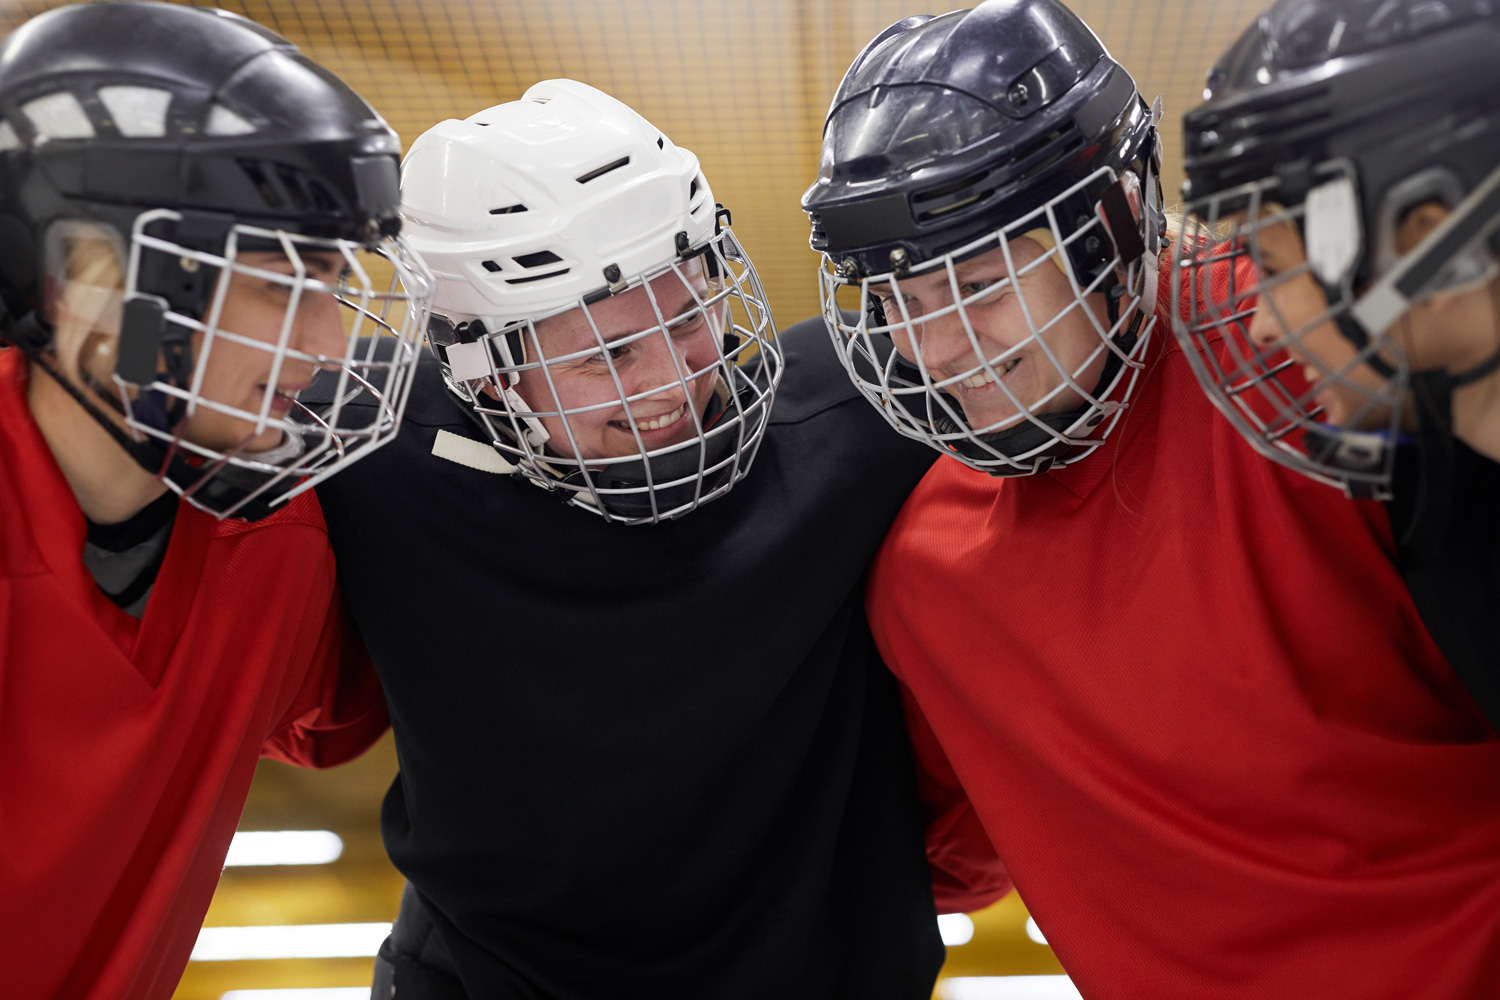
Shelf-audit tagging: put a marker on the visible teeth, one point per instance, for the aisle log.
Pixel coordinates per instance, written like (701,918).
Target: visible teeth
(985,377)
(664,421)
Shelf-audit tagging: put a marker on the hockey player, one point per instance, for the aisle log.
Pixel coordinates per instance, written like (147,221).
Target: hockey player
(1184,689)
(188,205)
(1375,240)
(650,761)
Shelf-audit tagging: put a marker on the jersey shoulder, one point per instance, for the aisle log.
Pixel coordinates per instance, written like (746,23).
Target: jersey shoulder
(302,511)
(814,379)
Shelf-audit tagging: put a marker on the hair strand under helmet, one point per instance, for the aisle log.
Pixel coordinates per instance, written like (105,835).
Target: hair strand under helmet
(216,140)
(531,210)
(952,136)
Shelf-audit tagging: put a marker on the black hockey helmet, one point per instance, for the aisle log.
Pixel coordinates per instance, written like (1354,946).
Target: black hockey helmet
(947,136)
(190,134)
(1348,113)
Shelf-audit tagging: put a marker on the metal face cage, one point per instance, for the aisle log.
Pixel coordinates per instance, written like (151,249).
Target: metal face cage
(1272,386)
(299,397)
(702,336)
(1049,430)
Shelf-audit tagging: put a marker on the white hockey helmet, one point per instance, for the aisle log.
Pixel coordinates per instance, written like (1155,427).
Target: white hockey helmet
(558,202)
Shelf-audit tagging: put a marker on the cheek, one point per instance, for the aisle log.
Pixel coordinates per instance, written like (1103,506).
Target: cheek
(701,355)
(574,390)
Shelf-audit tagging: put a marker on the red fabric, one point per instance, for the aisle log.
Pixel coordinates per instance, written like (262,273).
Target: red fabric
(127,747)
(1199,719)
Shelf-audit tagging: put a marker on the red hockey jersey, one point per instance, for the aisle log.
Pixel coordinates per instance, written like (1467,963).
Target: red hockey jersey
(1197,715)
(127,746)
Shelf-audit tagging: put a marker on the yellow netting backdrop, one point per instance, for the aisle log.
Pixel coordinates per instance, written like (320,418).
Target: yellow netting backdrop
(744,85)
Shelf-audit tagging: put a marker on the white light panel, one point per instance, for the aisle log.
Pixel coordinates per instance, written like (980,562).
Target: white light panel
(1008,988)
(1034,932)
(311,993)
(237,944)
(284,847)
(955,928)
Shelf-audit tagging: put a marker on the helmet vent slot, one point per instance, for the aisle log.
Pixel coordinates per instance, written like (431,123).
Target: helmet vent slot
(59,116)
(490,266)
(661,143)
(536,277)
(262,183)
(508,210)
(222,121)
(137,112)
(293,187)
(538,259)
(949,188)
(601,171)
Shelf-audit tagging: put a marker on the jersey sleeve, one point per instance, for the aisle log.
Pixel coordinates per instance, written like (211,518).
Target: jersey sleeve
(966,872)
(340,711)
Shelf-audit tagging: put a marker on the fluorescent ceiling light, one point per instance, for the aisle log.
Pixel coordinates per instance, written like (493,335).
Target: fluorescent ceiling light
(955,928)
(313,993)
(1008,988)
(234,944)
(284,847)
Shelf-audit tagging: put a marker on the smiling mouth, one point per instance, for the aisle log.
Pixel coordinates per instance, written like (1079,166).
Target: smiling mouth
(985,377)
(283,397)
(655,423)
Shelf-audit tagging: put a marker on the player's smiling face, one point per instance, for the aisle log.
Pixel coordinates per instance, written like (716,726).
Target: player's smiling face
(667,376)
(1292,314)
(1002,336)
(240,375)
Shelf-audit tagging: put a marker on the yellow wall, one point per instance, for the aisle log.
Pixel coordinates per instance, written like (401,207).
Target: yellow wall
(744,85)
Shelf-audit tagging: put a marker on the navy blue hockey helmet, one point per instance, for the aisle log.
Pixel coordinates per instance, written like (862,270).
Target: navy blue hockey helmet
(1341,116)
(950,137)
(183,138)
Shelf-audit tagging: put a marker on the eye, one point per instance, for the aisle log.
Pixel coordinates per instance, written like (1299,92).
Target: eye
(607,356)
(689,325)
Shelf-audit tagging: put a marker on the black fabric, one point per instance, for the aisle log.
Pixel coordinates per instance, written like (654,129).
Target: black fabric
(653,761)
(124,558)
(1454,574)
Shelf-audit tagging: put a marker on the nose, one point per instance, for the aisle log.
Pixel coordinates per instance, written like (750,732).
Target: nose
(665,368)
(319,326)
(938,342)
(1264,327)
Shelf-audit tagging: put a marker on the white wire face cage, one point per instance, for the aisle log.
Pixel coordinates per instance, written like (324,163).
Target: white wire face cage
(1034,437)
(300,398)
(711,321)
(1270,390)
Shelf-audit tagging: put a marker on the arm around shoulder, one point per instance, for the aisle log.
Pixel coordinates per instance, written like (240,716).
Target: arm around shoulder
(340,710)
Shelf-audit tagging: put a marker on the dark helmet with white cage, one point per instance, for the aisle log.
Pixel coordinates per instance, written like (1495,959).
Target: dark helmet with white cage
(1341,116)
(179,139)
(950,137)
(542,213)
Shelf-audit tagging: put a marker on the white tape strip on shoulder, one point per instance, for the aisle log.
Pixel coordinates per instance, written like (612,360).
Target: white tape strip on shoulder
(467,451)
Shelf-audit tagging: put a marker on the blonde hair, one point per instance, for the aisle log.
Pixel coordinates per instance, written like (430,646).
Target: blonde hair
(85,288)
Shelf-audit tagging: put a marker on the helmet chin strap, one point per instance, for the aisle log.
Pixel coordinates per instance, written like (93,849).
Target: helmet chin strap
(1416,276)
